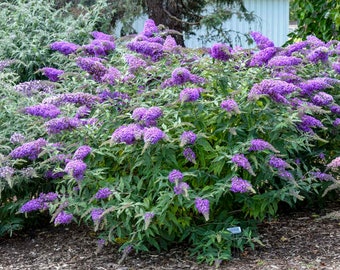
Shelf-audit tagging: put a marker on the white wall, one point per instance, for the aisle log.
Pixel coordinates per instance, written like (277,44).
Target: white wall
(274,23)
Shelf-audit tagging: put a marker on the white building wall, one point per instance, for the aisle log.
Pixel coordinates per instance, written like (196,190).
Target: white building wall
(273,23)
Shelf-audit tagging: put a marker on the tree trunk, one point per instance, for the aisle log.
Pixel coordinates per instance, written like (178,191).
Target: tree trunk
(155,9)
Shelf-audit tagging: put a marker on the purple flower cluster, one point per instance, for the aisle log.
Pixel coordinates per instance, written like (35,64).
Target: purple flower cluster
(318,54)
(335,109)
(96,214)
(52,74)
(262,57)
(322,176)
(150,28)
(99,47)
(181,188)
(170,45)
(189,155)
(286,175)
(275,89)
(175,176)
(83,112)
(261,41)
(220,51)
(280,61)
(135,63)
(297,46)
(259,145)
(64,47)
(29,150)
(78,98)
(278,163)
(102,36)
(103,193)
(43,110)
(57,125)
(202,206)
(148,216)
(152,135)
(239,185)
(63,218)
(6,172)
(127,134)
(5,63)
(314,42)
(241,161)
(322,99)
(335,163)
(154,50)
(82,152)
(308,122)
(316,84)
(148,117)
(230,105)
(336,67)
(33,87)
(336,122)
(93,66)
(107,94)
(40,203)
(188,137)
(112,76)
(180,76)
(17,138)
(190,94)
(288,77)
(76,168)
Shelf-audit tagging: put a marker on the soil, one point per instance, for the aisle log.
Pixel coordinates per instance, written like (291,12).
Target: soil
(299,240)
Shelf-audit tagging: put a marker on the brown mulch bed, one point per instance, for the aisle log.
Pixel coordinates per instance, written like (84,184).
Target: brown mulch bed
(300,240)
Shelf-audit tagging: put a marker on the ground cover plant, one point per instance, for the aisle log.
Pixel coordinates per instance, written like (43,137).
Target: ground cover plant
(153,144)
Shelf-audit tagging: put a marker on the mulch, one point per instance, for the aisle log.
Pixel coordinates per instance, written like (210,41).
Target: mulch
(296,240)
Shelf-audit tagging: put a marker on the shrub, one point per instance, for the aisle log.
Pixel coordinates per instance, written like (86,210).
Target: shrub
(176,145)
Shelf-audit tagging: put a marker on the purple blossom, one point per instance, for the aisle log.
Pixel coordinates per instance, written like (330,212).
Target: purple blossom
(180,76)
(259,145)
(83,112)
(96,214)
(181,188)
(102,36)
(230,105)
(103,193)
(335,109)
(138,113)
(63,218)
(51,175)
(32,205)
(135,63)
(280,61)
(152,135)
(76,168)
(190,94)
(29,150)
(335,163)
(112,76)
(170,44)
(286,175)
(64,47)
(107,94)
(5,63)
(220,51)
(239,185)
(288,77)
(147,48)
(308,122)
(150,28)
(322,176)
(57,125)
(189,155)
(297,46)
(313,41)
(6,172)
(52,74)
(241,161)
(127,134)
(316,84)
(261,41)
(148,216)
(336,67)
(262,57)
(188,137)
(151,115)
(99,47)
(322,99)
(336,122)
(48,197)
(78,98)
(17,138)
(82,152)
(275,89)
(277,163)
(43,110)
(175,176)
(202,206)
(35,86)
(319,54)
(93,66)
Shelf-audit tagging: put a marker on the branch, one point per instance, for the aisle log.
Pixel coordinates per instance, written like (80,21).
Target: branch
(179,20)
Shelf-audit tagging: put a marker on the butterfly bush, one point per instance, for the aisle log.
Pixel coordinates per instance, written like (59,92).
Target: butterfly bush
(157,144)
(52,74)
